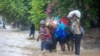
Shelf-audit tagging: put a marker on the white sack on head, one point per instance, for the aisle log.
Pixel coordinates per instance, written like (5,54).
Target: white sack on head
(76,12)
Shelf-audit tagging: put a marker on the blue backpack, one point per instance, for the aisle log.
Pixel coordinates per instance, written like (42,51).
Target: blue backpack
(60,31)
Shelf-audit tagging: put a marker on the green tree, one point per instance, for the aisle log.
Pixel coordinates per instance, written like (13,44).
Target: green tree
(37,11)
(15,11)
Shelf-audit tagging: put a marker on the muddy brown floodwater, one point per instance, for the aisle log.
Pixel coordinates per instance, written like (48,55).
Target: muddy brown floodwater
(15,43)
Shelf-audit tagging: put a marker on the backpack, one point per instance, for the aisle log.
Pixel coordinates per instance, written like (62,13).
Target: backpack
(60,31)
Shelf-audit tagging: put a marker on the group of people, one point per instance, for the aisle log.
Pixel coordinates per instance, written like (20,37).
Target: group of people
(63,30)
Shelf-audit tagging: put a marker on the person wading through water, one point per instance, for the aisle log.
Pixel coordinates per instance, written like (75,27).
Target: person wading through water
(75,28)
(32,31)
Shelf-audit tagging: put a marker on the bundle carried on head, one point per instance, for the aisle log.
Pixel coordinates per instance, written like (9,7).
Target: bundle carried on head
(74,12)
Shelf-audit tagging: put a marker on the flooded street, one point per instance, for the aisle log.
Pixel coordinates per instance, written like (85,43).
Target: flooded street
(15,43)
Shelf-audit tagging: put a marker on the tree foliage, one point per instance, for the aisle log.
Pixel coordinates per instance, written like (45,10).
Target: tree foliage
(60,7)
(35,10)
(13,10)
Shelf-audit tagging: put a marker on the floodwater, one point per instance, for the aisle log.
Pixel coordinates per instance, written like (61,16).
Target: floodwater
(16,43)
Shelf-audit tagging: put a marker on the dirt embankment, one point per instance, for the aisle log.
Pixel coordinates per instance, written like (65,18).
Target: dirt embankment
(92,38)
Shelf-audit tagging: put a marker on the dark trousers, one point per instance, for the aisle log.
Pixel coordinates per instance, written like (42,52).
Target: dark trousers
(43,45)
(46,45)
(32,33)
(53,41)
(77,43)
(49,45)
